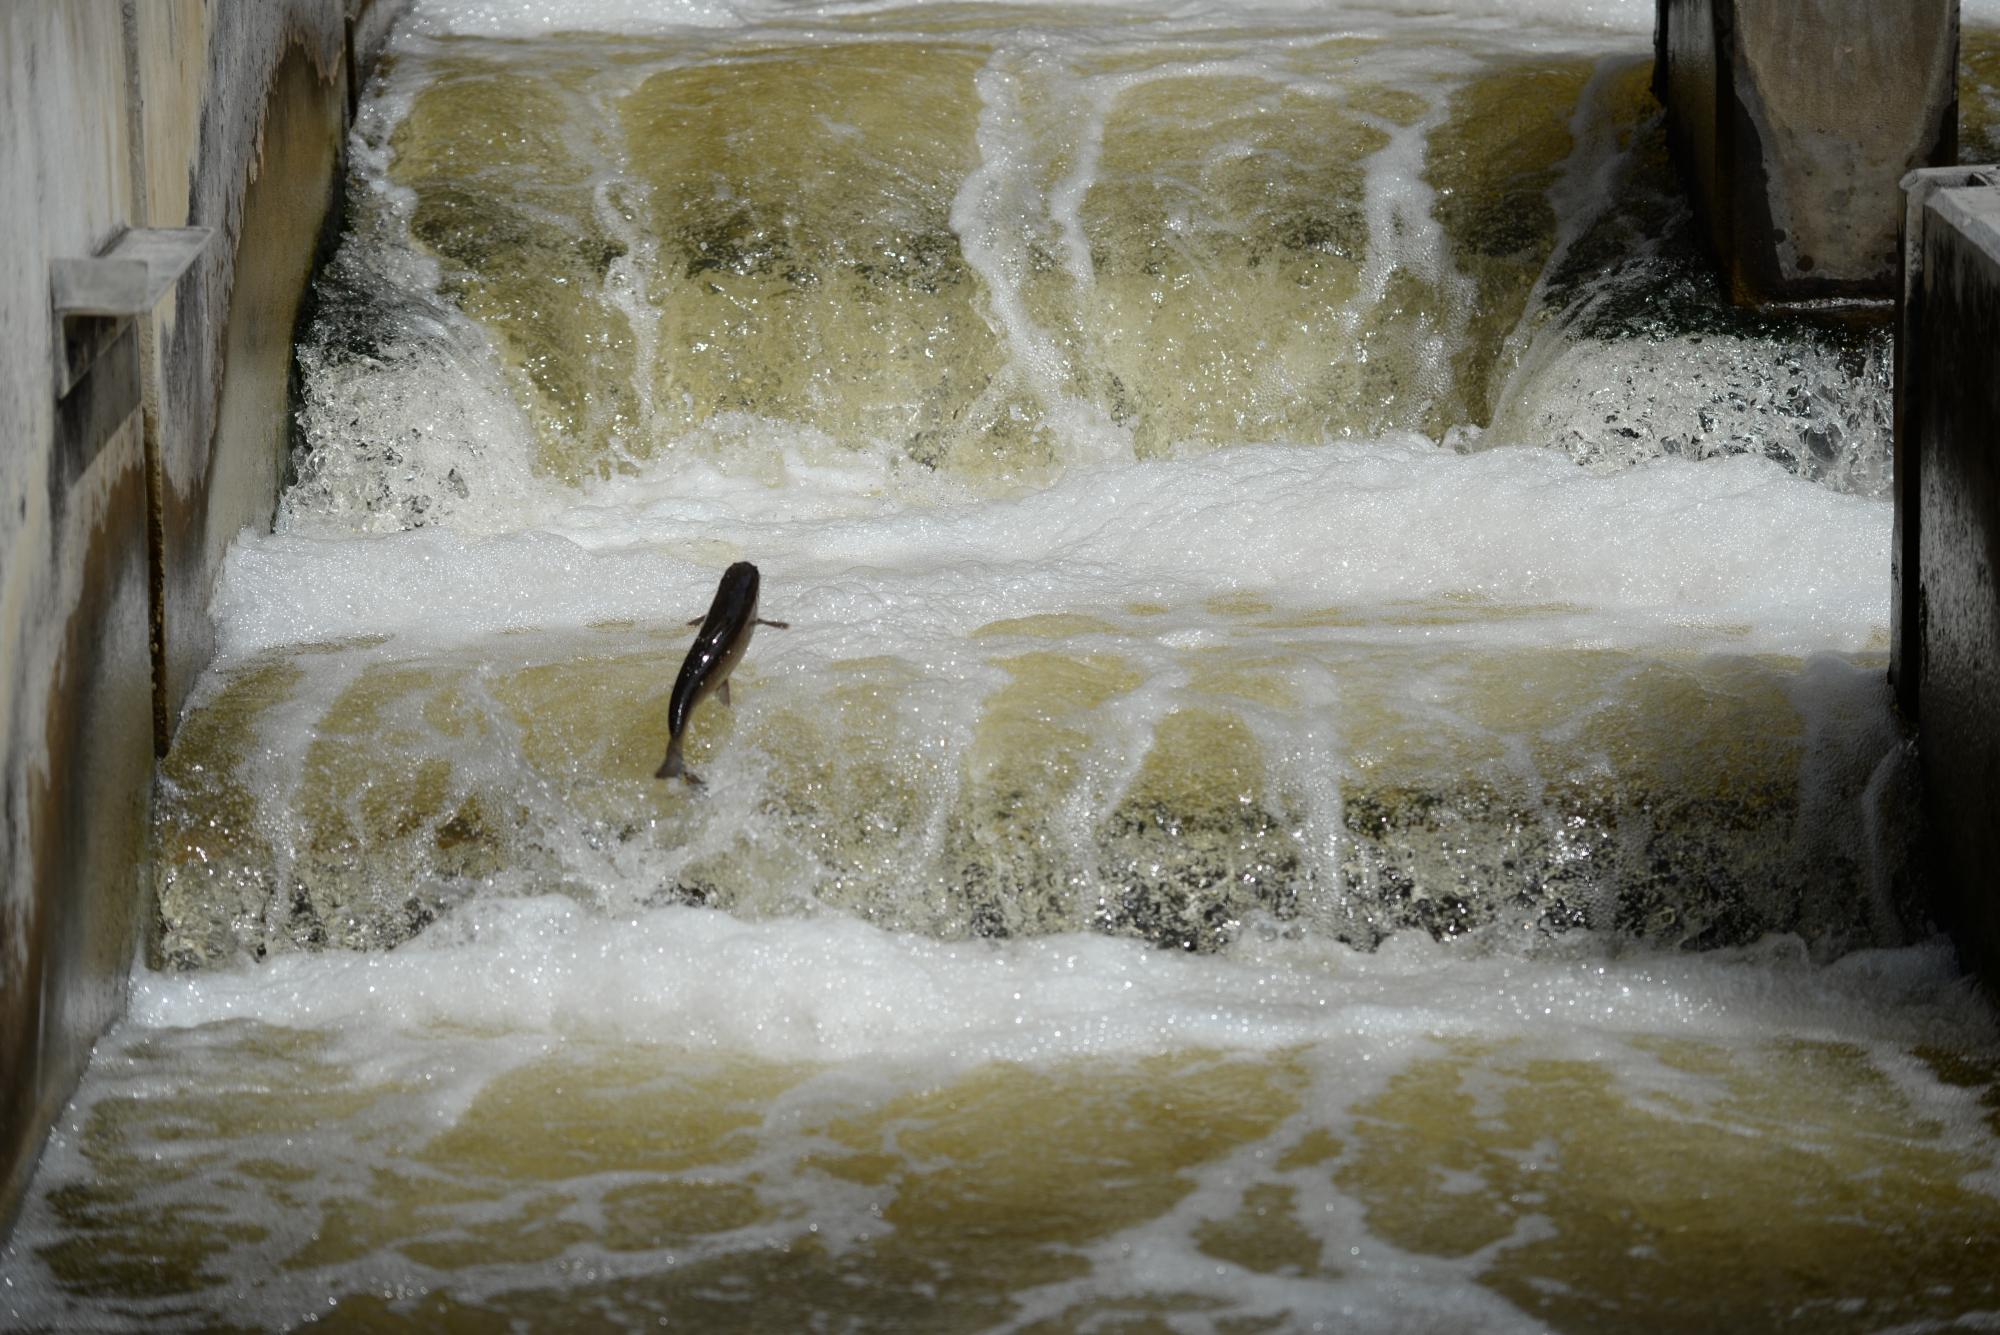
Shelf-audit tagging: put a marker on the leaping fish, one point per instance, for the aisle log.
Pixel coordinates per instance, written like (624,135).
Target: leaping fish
(718,647)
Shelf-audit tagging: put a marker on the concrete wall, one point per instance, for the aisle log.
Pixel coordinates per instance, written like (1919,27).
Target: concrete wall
(1947,614)
(116,500)
(1793,121)
(75,680)
(264,173)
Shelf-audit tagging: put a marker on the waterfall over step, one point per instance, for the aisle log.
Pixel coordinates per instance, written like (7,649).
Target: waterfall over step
(1159,436)
(1330,763)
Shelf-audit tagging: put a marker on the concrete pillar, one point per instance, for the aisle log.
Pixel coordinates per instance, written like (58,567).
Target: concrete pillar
(1946,620)
(133,446)
(1793,121)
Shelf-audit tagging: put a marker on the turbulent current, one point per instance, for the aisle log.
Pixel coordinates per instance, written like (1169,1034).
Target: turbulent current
(1330,767)
(1144,422)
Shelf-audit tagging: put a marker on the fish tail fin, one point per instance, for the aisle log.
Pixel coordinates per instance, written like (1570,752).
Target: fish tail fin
(671,767)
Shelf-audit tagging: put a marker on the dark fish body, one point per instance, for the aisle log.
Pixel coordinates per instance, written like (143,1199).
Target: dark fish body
(718,648)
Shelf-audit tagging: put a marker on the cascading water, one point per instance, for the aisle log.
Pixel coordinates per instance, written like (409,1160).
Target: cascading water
(1273,484)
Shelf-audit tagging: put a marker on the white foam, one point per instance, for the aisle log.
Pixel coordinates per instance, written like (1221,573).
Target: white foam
(1656,553)
(834,989)
(413,1039)
(529,18)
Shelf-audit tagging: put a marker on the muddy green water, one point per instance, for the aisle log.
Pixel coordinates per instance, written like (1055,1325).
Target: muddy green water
(1330,769)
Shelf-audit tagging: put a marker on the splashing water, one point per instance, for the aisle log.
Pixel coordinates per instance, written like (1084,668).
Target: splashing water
(964,328)
(1275,483)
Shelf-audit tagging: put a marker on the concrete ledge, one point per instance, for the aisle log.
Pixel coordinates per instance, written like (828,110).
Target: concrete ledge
(1793,120)
(1515,796)
(1947,616)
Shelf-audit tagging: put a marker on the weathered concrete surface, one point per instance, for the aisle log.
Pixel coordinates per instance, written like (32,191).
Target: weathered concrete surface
(1793,121)
(1948,509)
(74,680)
(260,167)
(1918,189)
(117,498)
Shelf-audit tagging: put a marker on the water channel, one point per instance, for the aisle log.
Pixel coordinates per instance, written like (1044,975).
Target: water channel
(1329,769)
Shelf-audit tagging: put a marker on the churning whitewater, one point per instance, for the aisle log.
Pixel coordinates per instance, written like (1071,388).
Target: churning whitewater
(1329,768)
(1113,441)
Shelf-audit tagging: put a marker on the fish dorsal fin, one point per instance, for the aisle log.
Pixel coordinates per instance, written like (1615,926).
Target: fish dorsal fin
(722,693)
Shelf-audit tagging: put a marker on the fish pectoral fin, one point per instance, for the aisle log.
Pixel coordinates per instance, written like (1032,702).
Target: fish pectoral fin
(722,694)
(697,621)
(775,625)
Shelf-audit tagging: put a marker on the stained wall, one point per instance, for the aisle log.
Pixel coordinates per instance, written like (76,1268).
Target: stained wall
(1947,614)
(117,498)
(1794,120)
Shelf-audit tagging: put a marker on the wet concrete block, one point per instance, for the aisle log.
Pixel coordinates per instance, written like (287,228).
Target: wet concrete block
(74,672)
(1947,627)
(81,797)
(369,23)
(266,87)
(135,445)
(1794,120)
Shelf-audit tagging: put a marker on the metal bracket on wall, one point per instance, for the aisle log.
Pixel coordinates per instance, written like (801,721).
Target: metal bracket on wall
(95,298)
